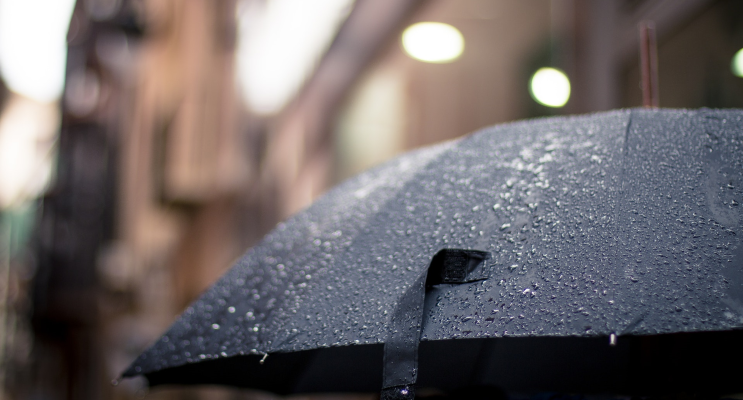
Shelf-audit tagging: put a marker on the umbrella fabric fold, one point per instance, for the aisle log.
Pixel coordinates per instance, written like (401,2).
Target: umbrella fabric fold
(626,223)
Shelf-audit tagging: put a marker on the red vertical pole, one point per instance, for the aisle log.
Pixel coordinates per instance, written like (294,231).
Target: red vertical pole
(648,64)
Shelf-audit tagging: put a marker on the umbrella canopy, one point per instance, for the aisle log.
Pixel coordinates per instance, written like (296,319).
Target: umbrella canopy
(572,230)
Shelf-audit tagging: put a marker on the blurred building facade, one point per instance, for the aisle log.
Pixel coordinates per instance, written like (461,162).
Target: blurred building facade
(165,174)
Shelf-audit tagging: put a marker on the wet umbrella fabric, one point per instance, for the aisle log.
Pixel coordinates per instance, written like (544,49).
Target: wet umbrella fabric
(624,223)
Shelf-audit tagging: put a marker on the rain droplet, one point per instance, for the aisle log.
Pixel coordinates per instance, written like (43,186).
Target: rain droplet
(231,310)
(215,326)
(505,226)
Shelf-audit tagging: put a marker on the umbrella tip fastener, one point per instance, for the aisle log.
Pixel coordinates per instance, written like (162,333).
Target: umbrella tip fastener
(448,266)
(457,266)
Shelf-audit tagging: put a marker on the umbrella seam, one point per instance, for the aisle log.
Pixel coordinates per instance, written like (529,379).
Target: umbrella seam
(621,197)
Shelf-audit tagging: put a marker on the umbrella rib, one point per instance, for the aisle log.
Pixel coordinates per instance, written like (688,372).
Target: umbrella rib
(621,195)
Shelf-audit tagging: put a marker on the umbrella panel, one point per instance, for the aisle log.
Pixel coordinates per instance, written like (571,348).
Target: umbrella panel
(623,223)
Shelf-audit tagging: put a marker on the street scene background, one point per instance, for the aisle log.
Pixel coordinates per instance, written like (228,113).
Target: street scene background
(146,144)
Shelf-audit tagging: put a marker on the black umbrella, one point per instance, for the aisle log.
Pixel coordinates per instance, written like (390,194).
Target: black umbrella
(515,256)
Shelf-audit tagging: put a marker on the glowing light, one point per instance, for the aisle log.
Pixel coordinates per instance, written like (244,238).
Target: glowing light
(550,87)
(433,42)
(737,64)
(279,45)
(33,48)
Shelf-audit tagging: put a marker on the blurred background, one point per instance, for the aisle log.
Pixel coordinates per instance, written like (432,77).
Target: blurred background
(146,144)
